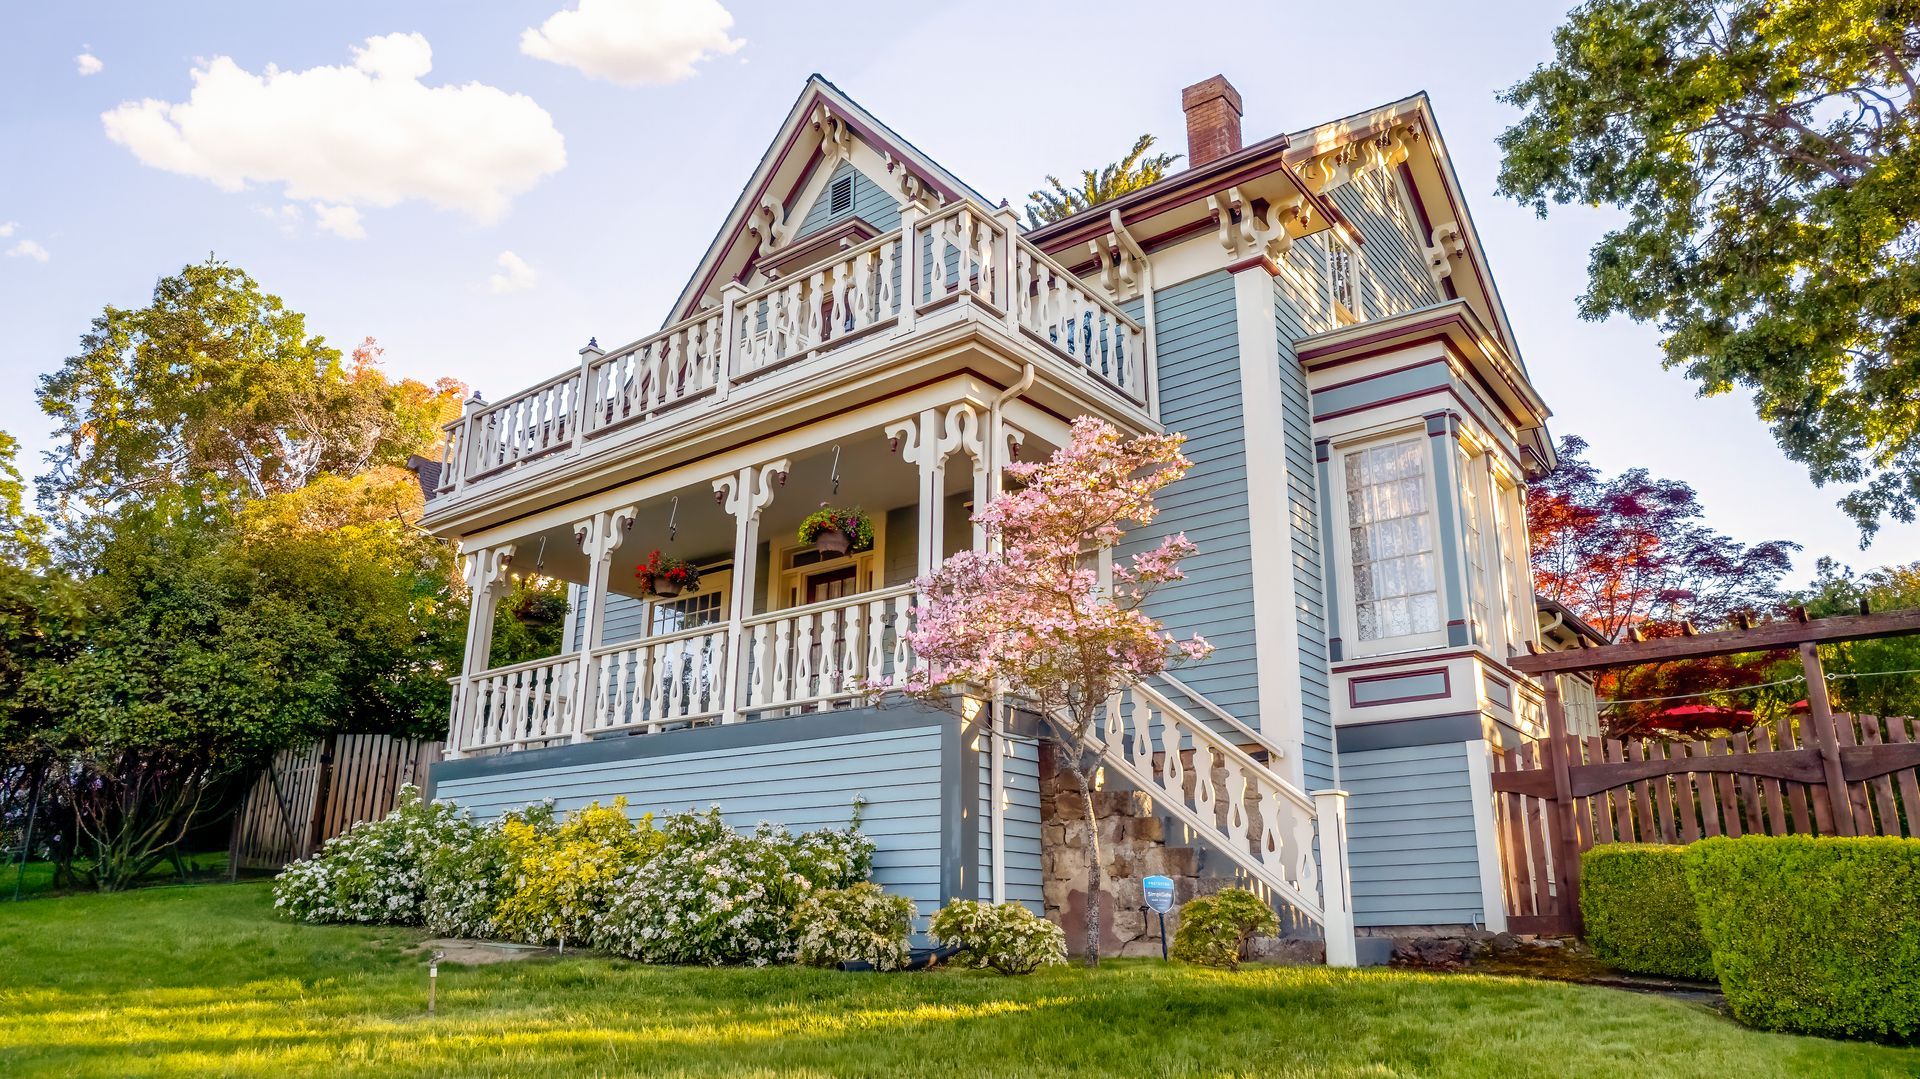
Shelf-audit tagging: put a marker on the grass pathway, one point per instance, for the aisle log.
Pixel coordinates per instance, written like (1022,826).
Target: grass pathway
(205,981)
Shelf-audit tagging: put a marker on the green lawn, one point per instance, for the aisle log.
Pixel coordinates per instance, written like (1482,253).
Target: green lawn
(204,980)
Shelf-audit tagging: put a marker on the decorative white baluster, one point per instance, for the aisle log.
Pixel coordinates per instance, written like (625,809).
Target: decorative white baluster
(1203,781)
(1237,819)
(883,281)
(1142,733)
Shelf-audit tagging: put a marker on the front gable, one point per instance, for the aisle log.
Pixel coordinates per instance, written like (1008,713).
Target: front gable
(826,140)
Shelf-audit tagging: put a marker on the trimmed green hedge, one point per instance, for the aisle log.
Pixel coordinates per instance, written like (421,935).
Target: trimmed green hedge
(1814,935)
(1639,910)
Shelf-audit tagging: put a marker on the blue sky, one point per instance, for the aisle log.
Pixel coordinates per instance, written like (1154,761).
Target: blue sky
(604,173)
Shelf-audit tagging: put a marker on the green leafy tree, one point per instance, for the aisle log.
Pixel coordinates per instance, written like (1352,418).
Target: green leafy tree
(1764,152)
(350,549)
(23,535)
(216,383)
(1874,677)
(1130,173)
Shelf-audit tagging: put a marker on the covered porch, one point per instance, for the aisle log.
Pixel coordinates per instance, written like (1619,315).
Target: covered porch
(774,626)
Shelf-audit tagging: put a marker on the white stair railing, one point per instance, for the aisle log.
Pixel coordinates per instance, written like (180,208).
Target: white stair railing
(1263,823)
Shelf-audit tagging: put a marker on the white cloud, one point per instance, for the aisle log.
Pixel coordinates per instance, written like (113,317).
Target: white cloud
(368,135)
(514,276)
(88,64)
(30,250)
(7,227)
(342,221)
(634,42)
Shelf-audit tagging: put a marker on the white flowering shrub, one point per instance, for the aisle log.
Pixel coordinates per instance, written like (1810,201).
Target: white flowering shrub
(465,884)
(374,872)
(860,924)
(1006,937)
(711,895)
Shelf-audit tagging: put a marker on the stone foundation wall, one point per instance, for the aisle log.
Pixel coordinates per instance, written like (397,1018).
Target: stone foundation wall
(1133,844)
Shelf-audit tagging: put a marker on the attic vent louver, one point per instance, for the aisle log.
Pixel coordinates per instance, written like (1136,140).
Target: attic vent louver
(840,196)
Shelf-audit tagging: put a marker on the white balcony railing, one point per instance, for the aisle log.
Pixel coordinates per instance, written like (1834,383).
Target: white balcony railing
(811,657)
(964,254)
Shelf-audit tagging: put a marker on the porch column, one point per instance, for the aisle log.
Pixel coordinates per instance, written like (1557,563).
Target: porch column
(919,441)
(598,536)
(743,495)
(487,580)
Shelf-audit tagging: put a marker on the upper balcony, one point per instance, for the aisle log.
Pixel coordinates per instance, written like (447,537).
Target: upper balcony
(879,307)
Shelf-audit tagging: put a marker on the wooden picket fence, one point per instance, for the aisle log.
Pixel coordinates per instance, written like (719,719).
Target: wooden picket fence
(1768,781)
(308,795)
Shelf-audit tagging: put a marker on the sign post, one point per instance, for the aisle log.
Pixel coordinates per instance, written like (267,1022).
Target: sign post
(1159,896)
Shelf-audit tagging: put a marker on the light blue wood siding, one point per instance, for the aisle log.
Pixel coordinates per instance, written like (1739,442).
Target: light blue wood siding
(1410,836)
(1197,343)
(1292,315)
(1022,828)
(871,203)
(626,618)
(1395,251)
(803,784)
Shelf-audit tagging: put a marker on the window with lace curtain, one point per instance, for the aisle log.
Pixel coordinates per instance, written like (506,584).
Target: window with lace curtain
(1473,508)
(1390,534)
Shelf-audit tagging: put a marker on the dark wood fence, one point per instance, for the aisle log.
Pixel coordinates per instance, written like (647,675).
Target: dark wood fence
(308,795)
(1769,781)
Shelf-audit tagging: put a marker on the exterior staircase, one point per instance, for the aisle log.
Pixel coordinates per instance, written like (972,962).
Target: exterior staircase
(1210,792)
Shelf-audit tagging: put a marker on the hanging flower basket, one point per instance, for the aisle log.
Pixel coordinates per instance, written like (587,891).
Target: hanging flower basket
(834,532)
(666,576)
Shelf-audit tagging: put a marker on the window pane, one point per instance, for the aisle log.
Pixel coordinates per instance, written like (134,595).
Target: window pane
(1391,541)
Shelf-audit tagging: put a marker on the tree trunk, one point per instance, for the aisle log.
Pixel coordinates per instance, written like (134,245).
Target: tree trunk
(1093,867)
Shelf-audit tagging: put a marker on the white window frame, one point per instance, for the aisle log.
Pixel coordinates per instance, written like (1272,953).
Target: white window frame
(1353,646)
(1341,313)
(1480,543)
(1513,558)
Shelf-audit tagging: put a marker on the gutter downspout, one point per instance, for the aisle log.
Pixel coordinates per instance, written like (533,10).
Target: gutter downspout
(1132,246)
(996,719)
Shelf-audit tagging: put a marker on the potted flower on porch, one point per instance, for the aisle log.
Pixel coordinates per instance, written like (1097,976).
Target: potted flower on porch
(666,576)
(835,531)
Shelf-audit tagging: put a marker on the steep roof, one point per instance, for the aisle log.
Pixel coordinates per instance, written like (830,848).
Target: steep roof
(787,165)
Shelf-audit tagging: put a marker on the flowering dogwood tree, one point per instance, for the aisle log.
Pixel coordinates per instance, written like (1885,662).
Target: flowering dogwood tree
(1029,617)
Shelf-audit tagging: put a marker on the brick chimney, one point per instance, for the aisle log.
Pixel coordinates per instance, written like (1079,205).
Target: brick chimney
(1213,120)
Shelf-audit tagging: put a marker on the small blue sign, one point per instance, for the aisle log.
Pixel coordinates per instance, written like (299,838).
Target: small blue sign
(1159,893)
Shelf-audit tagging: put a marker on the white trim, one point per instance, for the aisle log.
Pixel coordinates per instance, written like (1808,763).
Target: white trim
(1486,842)
(1275,613)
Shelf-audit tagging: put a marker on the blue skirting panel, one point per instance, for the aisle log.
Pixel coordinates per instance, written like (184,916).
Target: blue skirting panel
(1410,836)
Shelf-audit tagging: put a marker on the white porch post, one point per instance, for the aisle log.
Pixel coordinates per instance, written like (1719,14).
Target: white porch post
(909,291)
(1336,880)
(598,536)
(743,495)
(487,580)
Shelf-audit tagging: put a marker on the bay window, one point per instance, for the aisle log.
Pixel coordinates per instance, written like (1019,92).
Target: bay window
(1390,540)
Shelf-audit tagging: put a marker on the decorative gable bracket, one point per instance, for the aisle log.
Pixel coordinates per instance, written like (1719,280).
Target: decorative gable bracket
(1119,270)
(1448,244)
(836,138)
(769,225)
(1255,228)
(1352,160)
(917,190)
